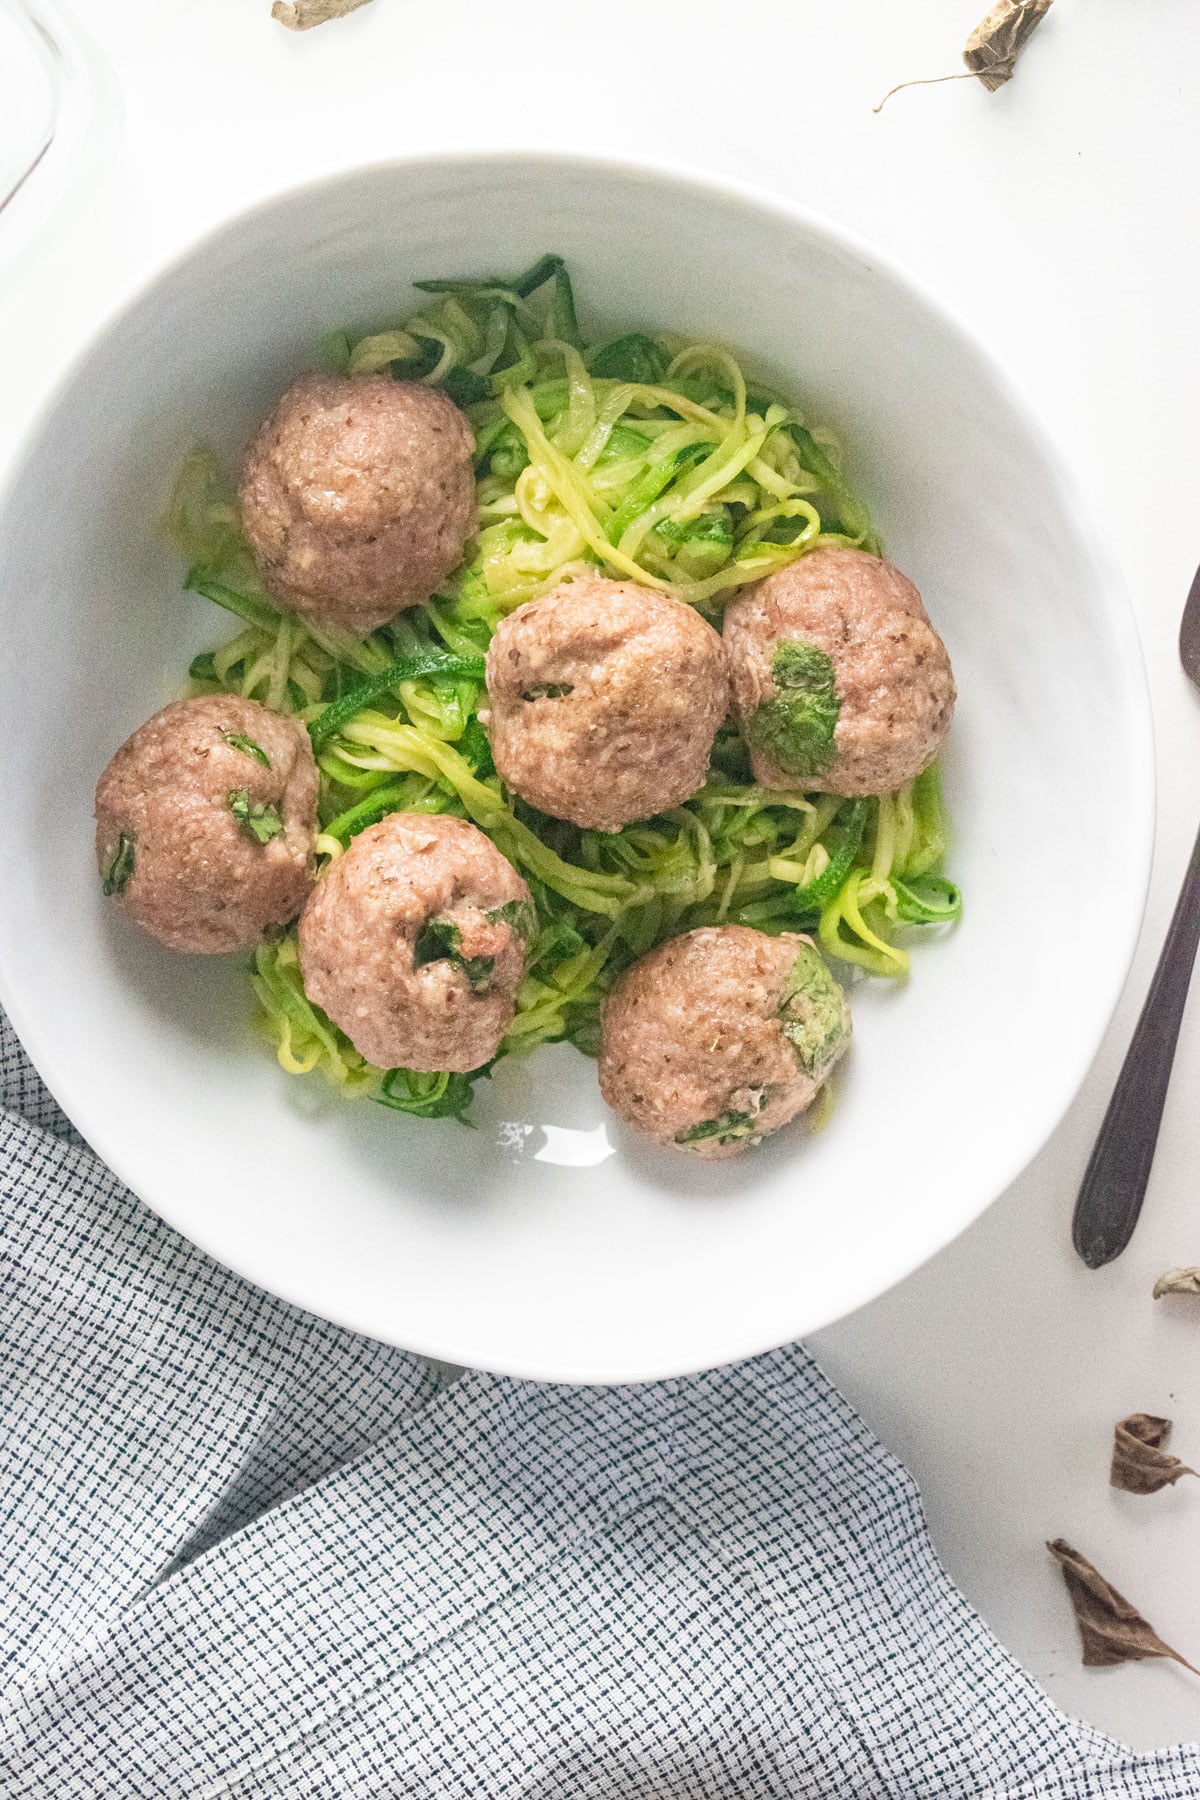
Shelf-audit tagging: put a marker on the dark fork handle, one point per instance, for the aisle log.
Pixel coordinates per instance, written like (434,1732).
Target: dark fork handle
(1114,1185)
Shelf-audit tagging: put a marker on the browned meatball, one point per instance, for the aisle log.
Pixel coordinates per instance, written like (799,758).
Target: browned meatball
(205,822)
(358,496)
(720,1036)
(415,942)
(840,683)
(605,698)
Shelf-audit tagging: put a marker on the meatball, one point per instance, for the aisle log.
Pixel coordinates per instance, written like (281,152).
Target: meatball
(720,1036)
(205,823)
(605,699)
(358,496)
(415,942)
(840,683)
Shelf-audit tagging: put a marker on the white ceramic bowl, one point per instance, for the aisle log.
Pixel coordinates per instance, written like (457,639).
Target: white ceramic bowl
(546,1242)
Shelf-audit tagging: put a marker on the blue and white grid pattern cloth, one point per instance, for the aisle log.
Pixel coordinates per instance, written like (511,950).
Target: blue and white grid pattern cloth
(247,1554)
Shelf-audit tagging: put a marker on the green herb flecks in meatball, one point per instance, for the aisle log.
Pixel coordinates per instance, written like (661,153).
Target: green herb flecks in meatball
(116,875)
(205,823)
(838,679)
(813,1014)
(796,727)
(357,496)
(718,1037)
(261,822)
(415,942)
(441,941)
(604,698)
(726,1128)
(237,740)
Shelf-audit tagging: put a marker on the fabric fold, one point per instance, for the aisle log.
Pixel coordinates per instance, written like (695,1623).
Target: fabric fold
(248,1554)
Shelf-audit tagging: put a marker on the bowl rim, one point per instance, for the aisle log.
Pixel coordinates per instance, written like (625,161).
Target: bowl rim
(1057,1097)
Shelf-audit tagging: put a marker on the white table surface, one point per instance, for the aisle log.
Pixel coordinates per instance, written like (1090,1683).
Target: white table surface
(1060,217)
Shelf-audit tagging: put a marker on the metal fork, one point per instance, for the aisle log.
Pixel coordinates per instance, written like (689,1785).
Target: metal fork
(1114,1185)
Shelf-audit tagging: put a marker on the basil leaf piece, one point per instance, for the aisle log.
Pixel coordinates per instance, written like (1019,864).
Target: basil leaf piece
(261,822)
(519,915)
(119,870)
(727,1128)
(634,357)
(796,728)
(813,1016)
(440,940)
(237,740)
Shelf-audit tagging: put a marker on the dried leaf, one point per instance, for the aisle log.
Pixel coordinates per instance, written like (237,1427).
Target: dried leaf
(1110,1629)
(1140,1465)
(1177,1281)
(302,15)
(993,47)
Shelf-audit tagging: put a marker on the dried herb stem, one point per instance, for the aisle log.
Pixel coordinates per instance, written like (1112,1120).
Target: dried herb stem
(921,81)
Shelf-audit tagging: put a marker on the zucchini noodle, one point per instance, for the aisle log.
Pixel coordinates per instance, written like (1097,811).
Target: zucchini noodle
(641,456)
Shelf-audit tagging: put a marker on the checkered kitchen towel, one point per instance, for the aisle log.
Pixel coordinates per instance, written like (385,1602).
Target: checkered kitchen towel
(246,1554)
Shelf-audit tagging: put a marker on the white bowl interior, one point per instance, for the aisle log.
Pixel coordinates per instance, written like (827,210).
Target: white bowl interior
(547,1242)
